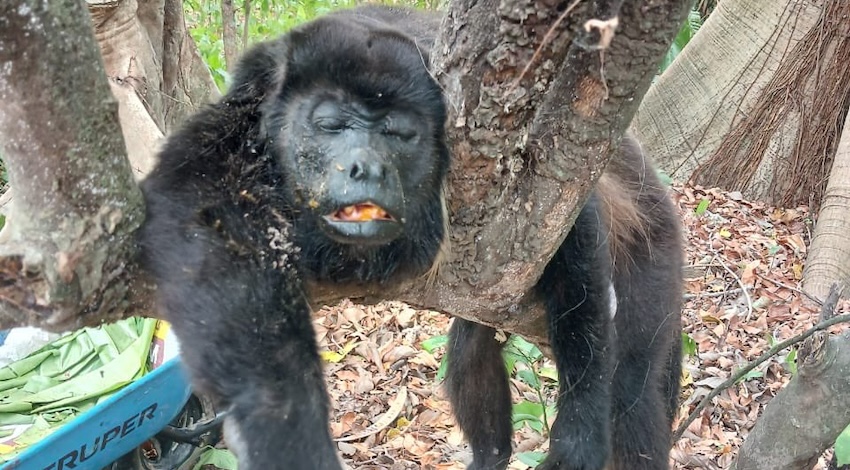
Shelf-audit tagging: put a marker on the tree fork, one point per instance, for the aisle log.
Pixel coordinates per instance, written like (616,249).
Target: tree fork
(538,101)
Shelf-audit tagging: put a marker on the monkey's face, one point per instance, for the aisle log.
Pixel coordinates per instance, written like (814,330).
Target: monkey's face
(353,166)
(356,124)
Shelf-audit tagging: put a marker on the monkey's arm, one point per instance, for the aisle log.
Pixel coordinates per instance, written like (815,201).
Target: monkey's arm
(246,337)
(226,282)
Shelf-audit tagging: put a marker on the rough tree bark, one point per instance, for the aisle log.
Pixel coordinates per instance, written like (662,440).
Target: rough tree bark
(66,251)
(154,71)
(828,261)
(539,99)
(754,102)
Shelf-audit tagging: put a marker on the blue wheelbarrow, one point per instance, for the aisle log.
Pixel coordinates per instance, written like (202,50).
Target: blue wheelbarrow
(154,423)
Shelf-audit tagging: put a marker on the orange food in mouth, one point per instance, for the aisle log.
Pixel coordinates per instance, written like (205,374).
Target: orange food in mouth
(363,212)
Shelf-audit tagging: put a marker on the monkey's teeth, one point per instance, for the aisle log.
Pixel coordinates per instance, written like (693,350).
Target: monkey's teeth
(362,213)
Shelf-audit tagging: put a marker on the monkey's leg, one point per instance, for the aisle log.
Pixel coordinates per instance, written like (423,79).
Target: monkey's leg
(264,368)
(576,288)
(645,384)
(673,385)
(477,383)
(641,430)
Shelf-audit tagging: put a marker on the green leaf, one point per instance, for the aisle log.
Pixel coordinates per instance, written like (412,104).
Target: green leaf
(444,367)
(529,377)
(432,344)
(689,346)
(511,358)
(529,349)
(791,361)
(702,207)
(531,458)
(220,458)
(528,413)
(549,373)
(842,447)
(526,352)
(686,33)
(771,341)
(529,408)
(532,422)
(753,374)
(435,342)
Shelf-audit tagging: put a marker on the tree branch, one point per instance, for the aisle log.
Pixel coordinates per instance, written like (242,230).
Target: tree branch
(246,7)
(529,144)
(228,26)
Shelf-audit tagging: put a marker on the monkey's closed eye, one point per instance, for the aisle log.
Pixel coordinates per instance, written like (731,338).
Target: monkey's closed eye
(402,125)
(405,134)
(331,125)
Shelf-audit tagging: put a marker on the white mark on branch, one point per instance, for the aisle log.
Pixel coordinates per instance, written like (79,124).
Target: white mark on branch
(606,30)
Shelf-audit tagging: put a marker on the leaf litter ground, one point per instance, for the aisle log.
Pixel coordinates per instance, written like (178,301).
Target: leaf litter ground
(742,294)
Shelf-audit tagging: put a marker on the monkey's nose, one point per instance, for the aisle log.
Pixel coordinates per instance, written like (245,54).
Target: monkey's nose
(363,165)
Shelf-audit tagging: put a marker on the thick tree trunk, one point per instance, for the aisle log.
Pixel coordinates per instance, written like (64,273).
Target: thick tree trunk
(753,102)
(828,261)
(140,45)
(693,104)
(66,251)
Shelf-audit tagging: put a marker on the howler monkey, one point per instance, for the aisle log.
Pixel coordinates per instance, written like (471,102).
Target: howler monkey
(325,163)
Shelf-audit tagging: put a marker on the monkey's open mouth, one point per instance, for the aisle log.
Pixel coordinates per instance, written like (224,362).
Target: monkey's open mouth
(362,212)
(362,223)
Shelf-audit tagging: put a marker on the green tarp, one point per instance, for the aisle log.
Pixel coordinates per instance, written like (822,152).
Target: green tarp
(68,376)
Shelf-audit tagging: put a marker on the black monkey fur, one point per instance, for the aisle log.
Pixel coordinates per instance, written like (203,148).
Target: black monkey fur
(325,163)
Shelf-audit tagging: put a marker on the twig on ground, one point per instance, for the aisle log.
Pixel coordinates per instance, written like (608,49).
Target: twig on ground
(816,300)
(713,294)
(740,283)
